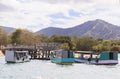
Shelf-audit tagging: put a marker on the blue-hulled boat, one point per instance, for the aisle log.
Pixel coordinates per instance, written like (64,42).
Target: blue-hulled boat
(62,56)
(98,58)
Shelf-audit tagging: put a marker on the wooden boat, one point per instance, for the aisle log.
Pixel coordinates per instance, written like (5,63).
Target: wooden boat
(13,56)
(98,58)
(62,57)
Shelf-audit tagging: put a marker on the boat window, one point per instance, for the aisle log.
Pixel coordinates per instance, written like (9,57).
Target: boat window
(53,54)
(65,54)
(77,55)
(68,53)
(58,54)
(111,55)
(86,56)
(95,56)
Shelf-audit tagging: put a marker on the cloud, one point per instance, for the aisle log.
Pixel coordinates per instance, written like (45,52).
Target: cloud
(5,8)
(59,16)
(38,14)
(24,1)
(63,1)
(74,13)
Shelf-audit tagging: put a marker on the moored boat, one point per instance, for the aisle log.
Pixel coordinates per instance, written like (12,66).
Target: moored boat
(98,58)
(62,57)
(13,56)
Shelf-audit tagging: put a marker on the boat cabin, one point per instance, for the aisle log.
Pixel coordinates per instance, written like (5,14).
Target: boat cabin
(104,57)
(62,53)
(13,56)
(62,56)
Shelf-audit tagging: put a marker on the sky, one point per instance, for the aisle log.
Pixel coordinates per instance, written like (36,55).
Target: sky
(38,14)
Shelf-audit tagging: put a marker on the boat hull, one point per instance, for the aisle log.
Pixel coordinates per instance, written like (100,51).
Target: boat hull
(19,61)
(105,62)
(100,62)
(64,61)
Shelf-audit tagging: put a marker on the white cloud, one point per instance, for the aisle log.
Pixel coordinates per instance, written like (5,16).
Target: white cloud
(29,13)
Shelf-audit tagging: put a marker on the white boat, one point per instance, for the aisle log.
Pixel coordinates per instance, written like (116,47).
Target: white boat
(14,56)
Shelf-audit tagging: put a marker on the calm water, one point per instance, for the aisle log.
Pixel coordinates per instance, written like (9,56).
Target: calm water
(37,69)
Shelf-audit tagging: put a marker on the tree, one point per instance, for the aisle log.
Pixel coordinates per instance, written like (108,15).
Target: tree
(85,43)
(65,46)
(15,37)
(24,37)
(115,48)
(43,38)
(27,37)
(106,45)
(3,37)
(62,39)
(98,47)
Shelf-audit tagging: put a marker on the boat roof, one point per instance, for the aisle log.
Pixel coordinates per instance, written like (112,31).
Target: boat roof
(85,52)
(21,51)
(59,50)
(93,52)
(19,48)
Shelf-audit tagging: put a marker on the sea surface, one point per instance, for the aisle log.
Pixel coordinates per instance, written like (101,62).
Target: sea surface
(39,69)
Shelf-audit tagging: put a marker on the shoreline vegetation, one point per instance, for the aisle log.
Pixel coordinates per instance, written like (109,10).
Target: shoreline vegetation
(79,43)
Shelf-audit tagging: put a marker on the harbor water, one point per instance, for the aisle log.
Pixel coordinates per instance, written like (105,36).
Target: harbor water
(39,69)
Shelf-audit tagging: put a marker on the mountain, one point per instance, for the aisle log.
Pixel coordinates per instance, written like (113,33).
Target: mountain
(96,28)
(8,29)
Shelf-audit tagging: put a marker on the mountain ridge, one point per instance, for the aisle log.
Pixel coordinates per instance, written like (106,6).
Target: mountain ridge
(8,30)
(95,28)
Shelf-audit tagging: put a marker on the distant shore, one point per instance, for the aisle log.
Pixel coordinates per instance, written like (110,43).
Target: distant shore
(1,54)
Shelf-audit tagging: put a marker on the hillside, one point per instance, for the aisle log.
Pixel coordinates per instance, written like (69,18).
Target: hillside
(97,29)
(8,29)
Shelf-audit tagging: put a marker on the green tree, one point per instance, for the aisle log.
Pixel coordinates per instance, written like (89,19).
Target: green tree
(43,38)
(24,37)
(97,47)
(15,37)
(85,43)
(65,46)
(27,37)
(3,37)
(62,39)
(106,45)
